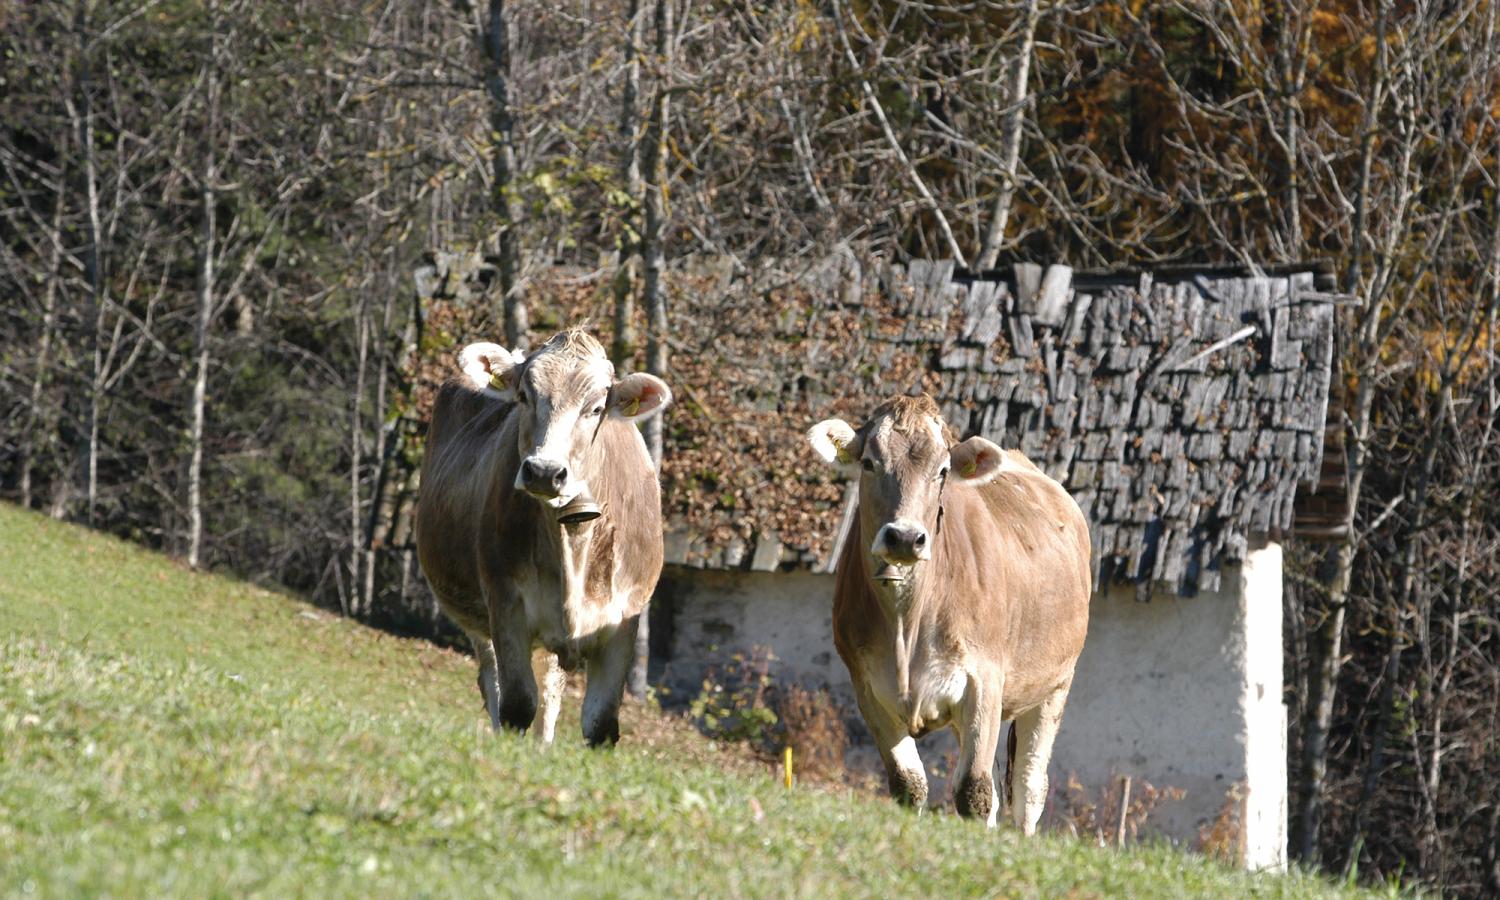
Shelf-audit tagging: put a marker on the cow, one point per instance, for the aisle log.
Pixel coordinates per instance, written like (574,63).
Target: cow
(539,523)
(961,599)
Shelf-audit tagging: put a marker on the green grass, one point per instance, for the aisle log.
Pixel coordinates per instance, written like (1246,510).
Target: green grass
(170,733)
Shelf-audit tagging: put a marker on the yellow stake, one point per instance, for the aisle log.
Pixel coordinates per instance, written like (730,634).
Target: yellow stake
(787,756)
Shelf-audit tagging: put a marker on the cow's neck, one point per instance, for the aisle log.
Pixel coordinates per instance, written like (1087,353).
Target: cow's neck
(570,548)
(906,615)
(574,551)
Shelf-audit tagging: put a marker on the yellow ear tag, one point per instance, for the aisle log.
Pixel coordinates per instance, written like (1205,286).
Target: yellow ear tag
(971,467)
(631,408)
(844,456)
(497,381)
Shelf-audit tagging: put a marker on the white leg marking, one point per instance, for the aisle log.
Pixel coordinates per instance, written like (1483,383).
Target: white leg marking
(489,678)
(553,683)
(907,760)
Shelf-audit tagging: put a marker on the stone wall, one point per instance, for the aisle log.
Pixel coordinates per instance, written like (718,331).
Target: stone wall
(1178,692)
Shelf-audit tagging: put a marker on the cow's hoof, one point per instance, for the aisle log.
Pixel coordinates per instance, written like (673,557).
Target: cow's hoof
(517,716)
(974,797)
(909,788)
(605,734)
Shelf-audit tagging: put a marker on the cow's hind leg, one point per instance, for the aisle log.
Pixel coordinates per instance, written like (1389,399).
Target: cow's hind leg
(489,683)
(1035,731)
(553,683)
(978,728)
(904,773)
(607,668)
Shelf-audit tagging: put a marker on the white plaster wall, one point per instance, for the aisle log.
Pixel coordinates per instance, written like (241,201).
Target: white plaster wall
(1176,692)
(1186,693)
(715,614)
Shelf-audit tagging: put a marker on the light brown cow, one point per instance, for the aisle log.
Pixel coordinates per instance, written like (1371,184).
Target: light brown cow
(961,599)
(539,522)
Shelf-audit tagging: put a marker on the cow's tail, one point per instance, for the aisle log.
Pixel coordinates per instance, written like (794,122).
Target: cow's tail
(1010,763)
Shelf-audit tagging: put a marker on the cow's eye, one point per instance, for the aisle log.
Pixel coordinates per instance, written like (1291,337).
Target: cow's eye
(597,411)
(868,466)
(942,473)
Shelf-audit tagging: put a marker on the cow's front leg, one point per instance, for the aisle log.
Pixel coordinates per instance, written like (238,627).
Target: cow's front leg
(979,736)
(607,667)
(511,637)
(905,775)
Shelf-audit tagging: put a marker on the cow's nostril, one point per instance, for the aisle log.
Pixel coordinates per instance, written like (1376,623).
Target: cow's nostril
(560,477)
(920,540)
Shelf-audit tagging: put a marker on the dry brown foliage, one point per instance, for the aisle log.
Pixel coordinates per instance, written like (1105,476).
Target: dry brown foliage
(814,729)
(1098,820)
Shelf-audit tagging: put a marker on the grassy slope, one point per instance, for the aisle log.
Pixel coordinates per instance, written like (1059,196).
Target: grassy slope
(163,732)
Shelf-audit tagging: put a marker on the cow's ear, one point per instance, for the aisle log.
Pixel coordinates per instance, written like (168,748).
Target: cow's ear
(835,442)
(638,396)
(975,461)
(491,368)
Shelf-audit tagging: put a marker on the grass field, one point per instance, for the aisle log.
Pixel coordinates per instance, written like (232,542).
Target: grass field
(164,733)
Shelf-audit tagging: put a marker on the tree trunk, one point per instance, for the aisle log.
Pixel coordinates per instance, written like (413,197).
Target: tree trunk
(504,199)
(622,347)
(653,297)
(382,496)
(93,257)
(1389,673)
(1010,142)
(653,230)
(206,250)
(356,453)
(1328,645)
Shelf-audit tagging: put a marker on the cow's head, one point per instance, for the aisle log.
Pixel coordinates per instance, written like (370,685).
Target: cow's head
(906,457)
(562,392)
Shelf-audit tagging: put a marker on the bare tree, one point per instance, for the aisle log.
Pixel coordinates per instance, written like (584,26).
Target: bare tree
(208,176)
(1010,141)
(504,191)
(622,347)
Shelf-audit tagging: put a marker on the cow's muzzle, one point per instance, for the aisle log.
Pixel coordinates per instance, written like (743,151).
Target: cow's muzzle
(901,543)
(543,478)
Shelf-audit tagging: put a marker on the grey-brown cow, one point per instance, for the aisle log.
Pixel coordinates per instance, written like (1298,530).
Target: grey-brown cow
(961,599)
(539,522)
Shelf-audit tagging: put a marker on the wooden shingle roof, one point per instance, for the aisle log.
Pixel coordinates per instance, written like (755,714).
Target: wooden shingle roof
(1184,408)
